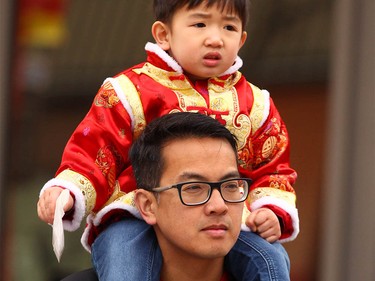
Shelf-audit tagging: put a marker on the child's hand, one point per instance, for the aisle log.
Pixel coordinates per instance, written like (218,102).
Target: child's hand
(265,223)
(47,204)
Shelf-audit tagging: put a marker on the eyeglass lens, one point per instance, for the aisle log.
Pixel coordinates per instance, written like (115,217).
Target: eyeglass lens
(231,191)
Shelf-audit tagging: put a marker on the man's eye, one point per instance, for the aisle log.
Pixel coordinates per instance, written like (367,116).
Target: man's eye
(192,188)
(231,187)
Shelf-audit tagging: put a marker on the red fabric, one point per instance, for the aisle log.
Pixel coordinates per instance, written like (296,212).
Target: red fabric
(98,149)
(285,220)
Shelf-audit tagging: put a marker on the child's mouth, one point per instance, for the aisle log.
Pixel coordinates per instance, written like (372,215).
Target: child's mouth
(212,59)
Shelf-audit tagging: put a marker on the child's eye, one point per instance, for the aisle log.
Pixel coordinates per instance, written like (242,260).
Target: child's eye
(230,28)
(200,25)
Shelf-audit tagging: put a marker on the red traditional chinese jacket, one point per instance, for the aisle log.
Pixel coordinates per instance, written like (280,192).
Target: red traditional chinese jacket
(95,166)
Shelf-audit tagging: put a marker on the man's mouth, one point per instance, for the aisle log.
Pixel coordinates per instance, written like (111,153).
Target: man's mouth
(219,226)
(216,230)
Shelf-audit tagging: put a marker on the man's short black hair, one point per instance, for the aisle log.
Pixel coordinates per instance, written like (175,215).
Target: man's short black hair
(146,152)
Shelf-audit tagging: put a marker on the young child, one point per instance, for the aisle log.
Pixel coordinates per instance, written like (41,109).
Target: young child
(192,67)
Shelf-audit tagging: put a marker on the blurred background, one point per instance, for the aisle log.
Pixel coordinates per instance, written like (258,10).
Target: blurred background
(317,59)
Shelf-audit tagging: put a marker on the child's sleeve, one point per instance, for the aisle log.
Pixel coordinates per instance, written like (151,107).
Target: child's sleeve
(96,153)
(272,176)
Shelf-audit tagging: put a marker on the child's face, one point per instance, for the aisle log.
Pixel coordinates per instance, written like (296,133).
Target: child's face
(204,41)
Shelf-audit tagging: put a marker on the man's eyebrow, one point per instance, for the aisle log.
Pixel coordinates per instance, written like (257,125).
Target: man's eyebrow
(230,175)
(188,176)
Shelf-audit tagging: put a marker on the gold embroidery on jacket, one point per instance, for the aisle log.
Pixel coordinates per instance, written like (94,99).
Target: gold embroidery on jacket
(169,79)
(83,184)
(237,123)
(257,111)
(132,96)
(261,192)
(116,195)
(107,97)
(223,99)
(127,199)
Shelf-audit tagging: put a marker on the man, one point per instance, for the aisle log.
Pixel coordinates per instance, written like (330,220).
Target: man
(190,191)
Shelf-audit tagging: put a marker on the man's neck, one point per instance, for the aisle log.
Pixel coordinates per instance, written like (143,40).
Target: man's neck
(198,270)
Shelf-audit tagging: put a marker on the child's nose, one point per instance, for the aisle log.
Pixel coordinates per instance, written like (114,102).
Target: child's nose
(214,39)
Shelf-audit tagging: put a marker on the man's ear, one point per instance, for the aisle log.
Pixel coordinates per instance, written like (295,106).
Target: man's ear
(160,32)
(146,204)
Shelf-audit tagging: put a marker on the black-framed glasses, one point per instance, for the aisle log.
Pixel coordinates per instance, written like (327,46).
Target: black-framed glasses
(199,192)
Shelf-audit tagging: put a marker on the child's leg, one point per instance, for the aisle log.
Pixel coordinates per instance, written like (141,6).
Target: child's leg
(253,258)
(127,250)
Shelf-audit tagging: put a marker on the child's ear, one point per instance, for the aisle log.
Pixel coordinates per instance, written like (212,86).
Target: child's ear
(243,39)
(146,204)
(160,32)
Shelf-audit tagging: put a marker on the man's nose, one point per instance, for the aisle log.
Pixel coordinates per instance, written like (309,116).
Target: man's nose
(216,204)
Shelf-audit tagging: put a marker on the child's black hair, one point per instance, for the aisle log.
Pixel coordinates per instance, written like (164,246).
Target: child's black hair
(165,9)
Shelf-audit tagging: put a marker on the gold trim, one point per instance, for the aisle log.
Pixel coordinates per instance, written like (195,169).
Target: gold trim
(257,111)
(172,80)
(127,199)
(261,192)
(238,124)
(117,193)
(245,214)
(223,97)
(132,96)
(83,184)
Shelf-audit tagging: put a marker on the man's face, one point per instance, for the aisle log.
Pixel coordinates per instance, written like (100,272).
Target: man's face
(204,231)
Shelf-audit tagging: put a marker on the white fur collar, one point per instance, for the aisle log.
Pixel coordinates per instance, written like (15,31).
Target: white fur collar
(154,48)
